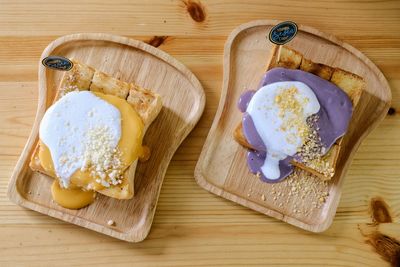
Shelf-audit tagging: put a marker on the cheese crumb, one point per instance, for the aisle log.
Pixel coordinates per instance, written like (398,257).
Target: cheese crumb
(100,158)
(290,110)
(312,152)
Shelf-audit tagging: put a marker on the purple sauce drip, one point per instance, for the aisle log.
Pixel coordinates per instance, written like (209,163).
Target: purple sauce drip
(255,160)
(251,134)
(245,99)
(334,116)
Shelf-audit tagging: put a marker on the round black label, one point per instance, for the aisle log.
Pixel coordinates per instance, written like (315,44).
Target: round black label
(57,63)
(283,32)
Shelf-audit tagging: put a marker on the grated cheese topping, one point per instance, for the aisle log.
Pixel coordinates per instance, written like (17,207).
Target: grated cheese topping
(101,157)
(312,152)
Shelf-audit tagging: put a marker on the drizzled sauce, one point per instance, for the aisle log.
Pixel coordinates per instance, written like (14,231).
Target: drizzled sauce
(71,198)
(334,116)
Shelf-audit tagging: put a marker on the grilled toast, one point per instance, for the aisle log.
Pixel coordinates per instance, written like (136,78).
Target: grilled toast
(350,83)
(145,102)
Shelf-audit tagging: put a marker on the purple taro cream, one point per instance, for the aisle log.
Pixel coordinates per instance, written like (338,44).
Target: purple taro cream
(289,108)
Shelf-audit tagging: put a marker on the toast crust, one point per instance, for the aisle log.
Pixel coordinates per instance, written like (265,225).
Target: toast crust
(350,83)
(146,103)
(82,77)
(106,84)
(78,78)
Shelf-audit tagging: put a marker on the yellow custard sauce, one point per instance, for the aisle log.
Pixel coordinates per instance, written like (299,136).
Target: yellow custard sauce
(71,198)
(130,146)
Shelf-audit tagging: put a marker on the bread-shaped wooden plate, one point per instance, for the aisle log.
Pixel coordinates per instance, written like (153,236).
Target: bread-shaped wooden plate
(304,201)
(132,61)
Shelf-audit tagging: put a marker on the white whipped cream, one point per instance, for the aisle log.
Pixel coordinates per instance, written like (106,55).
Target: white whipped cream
(65,125)
(271,125)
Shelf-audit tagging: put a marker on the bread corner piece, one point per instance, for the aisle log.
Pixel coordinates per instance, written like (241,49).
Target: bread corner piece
(349,82)
(238,135)
(106,84)
(288,58)
(146,103)
(78,78)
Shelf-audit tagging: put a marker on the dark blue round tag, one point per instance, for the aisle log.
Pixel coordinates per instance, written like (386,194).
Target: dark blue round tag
(283,32)
(57,63)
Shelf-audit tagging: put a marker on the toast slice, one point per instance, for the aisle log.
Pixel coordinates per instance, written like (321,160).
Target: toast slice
(83,77)
(350,83)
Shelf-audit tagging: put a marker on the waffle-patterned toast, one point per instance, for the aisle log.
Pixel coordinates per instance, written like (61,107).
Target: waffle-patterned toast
(145,102)
(350,83)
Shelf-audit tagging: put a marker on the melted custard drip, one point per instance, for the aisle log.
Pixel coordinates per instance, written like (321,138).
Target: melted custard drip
(130,145)
(145,155)
(71,198)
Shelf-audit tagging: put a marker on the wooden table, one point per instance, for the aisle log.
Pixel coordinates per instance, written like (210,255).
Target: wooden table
(193,227)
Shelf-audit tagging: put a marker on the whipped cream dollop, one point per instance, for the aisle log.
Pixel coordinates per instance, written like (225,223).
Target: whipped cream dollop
(68,128)
(279,112)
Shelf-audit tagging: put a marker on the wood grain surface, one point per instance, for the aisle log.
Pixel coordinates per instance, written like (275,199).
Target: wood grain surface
(192,227)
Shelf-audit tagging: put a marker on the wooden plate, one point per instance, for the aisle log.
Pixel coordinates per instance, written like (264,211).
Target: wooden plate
(131,61)
(222,167)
